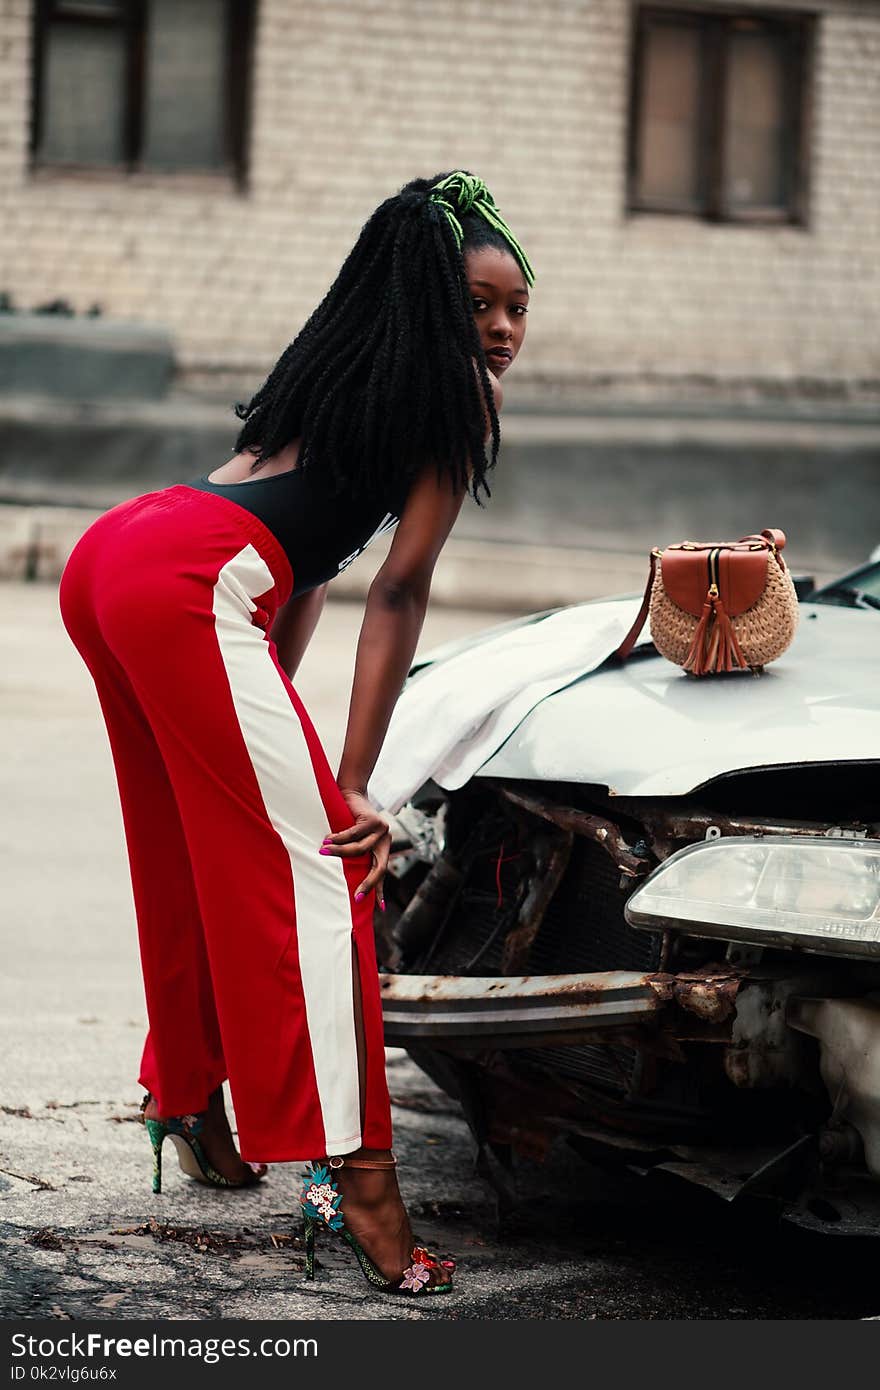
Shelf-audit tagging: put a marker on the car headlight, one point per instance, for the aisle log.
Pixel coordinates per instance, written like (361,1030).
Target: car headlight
(815,893)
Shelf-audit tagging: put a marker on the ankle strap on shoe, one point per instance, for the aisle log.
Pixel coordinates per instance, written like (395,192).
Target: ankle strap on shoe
(338,1161)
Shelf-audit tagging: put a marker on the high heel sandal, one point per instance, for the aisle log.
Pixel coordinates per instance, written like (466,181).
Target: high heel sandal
(184,1131)
(321,1202)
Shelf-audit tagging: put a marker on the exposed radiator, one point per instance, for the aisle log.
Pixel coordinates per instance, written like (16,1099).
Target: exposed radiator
(584,929)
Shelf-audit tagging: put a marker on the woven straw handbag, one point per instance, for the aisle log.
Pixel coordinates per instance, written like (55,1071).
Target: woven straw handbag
(719,605)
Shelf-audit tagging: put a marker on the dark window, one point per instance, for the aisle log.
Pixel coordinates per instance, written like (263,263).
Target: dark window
(142,84)
(718,115)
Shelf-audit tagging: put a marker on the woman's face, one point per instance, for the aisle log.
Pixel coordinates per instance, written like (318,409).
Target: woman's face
(500,299)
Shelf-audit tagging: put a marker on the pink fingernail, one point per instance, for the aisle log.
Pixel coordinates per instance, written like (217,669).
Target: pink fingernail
(322,850)
(358,896)
(382,906)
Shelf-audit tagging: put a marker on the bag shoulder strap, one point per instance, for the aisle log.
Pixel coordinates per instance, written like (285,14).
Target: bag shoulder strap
(629,641)
(772,537)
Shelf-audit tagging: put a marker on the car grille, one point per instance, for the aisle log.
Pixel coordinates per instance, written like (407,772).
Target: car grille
(583,930)
(608,1068)
(584,927)
(473,944)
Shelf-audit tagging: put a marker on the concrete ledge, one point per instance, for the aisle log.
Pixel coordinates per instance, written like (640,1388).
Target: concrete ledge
(615,486)
(35,543)
(84,358)
(511,578)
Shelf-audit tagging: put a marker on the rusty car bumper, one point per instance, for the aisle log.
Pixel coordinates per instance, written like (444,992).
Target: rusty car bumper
(455,1011)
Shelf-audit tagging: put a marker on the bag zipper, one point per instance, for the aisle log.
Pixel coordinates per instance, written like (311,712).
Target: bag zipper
(713,573)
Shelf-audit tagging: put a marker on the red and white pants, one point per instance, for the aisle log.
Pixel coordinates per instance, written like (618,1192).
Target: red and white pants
(245,930)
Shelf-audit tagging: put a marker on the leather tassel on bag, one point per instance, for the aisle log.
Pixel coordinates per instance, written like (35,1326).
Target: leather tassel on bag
(714,646)
(694,659)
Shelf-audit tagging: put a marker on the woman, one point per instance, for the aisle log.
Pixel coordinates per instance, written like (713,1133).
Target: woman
(254,870)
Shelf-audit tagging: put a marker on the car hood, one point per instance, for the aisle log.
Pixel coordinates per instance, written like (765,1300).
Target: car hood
(646,728)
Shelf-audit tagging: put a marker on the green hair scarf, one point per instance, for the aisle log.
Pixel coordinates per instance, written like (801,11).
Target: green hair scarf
(466,193)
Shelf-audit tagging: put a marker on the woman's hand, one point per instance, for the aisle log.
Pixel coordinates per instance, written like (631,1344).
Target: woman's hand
(369,834)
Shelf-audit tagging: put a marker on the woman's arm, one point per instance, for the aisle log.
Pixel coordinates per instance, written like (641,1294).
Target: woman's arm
(393,617)
(294,624)
(395,611)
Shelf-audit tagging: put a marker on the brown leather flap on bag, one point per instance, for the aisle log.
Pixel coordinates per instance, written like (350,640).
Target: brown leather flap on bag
(742,577)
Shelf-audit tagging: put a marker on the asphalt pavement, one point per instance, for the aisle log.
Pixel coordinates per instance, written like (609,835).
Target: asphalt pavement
(81,1233)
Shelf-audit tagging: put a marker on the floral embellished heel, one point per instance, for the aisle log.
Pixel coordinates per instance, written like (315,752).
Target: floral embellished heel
(321,1202)
(184,1132)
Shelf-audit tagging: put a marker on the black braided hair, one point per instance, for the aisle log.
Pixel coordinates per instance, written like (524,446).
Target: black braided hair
(381,379)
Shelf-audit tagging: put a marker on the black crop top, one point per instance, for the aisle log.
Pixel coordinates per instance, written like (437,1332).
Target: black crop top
(320,534)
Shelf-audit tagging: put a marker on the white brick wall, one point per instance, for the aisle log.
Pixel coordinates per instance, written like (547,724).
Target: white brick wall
(352,97)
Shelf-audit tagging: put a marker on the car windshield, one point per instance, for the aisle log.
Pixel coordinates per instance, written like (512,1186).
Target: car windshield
(859,589)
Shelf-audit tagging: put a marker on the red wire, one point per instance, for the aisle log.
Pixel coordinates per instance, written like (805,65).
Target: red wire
(502,859)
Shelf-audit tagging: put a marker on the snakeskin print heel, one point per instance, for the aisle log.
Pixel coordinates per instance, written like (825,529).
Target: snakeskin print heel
(321,1202)
(184,1132)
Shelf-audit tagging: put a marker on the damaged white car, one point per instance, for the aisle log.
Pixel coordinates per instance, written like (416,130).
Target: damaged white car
(642,911)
